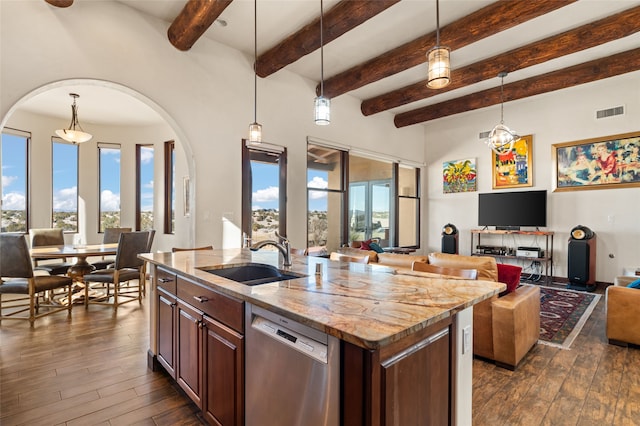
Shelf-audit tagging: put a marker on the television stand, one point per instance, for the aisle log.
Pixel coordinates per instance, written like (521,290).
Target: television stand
(545,259)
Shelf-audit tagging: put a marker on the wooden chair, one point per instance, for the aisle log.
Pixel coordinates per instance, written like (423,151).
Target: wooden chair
(111,236)
(18,278)
(177,249)
(470,274)
(301,252)
(346,258)
(49,237)
(127,267)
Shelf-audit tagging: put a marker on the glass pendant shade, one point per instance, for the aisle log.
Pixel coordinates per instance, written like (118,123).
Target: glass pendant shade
(322,110)
(501,139)
(74,133)
(255,133)
(439,72)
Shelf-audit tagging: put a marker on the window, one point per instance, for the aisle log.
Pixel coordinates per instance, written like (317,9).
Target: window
(109,163)
(144,185)
(264,191)
(325,199)
(408,217)
(14,157)
(64,169)
(169,187)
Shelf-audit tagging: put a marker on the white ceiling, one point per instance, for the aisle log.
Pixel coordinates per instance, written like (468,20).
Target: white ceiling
(403,22)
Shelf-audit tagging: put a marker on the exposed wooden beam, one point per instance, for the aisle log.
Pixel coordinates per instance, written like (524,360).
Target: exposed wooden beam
(342,18)
(593,34)
(194,19)
(587,72)
(60,3)
(485,22)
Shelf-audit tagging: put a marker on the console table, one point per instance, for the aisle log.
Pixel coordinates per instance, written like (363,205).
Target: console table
(510,252)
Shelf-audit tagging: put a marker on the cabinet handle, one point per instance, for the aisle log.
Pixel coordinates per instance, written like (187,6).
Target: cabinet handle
(165,280)
(201,299)
(200,324)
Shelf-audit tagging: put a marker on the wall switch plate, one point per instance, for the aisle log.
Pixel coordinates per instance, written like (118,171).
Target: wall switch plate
(466,339)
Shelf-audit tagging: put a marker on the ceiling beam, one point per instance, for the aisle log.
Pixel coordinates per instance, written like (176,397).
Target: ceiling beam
(342,18)
(60,3)
(593,34)
(587,72)
(490,20)
(194,19)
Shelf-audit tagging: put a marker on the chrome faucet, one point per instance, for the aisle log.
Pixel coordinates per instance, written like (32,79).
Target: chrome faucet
(283,245)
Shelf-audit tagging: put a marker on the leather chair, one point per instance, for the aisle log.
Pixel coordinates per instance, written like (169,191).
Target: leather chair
(346,258)
(623,312)
(41,237)
(18,278)
(110,236)
(127,267)
(469,274)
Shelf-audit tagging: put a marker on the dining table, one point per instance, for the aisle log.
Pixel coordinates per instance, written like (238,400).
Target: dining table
(78,251)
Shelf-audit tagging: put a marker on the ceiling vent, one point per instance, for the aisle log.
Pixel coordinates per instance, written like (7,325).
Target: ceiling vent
(604,113)
(484,135)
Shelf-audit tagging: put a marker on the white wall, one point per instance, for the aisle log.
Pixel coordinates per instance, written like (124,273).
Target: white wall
(563,116)
(206,96)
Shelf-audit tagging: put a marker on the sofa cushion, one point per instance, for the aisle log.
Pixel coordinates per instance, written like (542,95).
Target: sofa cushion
(486,265)
(509,275)
(375,247)
(634,284)
(396,260)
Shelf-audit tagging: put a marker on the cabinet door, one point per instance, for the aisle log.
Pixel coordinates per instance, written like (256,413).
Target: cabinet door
(189,359)
(417,384)
(223,358)
(166,331)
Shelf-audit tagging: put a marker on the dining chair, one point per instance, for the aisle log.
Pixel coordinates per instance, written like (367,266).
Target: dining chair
(301,252)
(178,249)
(471,274)
(49,237)
(345,258)
(18,278)
(110,236)
(127,267)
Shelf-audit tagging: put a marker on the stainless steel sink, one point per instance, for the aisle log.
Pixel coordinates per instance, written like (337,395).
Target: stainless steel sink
(253,273)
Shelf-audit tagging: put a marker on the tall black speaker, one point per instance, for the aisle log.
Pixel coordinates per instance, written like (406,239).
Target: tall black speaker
(581,259)
(449,239)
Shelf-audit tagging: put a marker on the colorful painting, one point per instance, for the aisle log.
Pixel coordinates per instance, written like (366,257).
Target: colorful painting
(599,163)
(459,176)
(513,169)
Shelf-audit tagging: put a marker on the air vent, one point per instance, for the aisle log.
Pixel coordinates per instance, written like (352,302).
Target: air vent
(604,113)
(484,135)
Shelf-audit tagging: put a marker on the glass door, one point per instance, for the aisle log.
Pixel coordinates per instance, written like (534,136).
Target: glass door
(370,211)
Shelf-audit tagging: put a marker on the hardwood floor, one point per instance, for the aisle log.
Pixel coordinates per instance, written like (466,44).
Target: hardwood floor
(92,369)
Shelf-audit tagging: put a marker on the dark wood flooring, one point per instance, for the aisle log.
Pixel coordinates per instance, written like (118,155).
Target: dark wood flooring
(92,369)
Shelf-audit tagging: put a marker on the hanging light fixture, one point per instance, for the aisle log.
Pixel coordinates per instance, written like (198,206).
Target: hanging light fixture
(501,138)
(74,133)
(322,105)
(255,128)
(438,57)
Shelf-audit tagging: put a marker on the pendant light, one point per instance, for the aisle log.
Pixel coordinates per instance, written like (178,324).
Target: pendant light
(322,105)
(438,57)
(501,138)
(255,128)
(74,133)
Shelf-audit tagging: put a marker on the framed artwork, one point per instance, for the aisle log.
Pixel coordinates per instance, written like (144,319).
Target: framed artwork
(598,163)
(514,169)
(459,176)
(186,194)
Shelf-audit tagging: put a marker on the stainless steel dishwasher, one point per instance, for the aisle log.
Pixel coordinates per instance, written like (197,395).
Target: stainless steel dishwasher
(292,372)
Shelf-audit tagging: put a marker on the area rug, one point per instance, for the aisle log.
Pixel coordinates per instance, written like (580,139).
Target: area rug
(563,313)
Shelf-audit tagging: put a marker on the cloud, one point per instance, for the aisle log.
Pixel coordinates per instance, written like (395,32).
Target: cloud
(8,180)
(109,201)
(318,182)
(146,155)
(66,199)
(148,185)
(266,195)
(13,201)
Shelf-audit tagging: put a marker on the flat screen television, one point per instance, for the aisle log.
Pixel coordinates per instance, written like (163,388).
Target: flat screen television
(511,210)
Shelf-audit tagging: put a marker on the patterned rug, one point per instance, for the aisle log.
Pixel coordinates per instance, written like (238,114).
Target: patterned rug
(563,313)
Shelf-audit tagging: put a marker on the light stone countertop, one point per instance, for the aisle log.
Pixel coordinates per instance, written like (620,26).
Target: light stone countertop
(367,305)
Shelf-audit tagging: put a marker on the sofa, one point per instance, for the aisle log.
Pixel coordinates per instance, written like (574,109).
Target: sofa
(395,261)
(623,312)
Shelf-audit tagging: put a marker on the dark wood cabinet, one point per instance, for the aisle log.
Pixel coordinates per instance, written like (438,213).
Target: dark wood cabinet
(189,372)
(166,331)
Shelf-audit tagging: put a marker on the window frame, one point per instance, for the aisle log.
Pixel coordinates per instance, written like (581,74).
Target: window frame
(105,145)
(58,140)
(139,147)
(28,141)
(169,187)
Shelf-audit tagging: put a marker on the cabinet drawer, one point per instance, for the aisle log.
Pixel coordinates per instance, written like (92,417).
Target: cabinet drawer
(166,280)
(218,306)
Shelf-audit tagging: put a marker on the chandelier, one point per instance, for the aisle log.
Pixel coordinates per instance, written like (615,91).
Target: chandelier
(501,138)
(74,133)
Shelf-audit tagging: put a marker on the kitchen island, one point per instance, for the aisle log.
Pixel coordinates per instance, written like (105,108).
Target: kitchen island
(403,357)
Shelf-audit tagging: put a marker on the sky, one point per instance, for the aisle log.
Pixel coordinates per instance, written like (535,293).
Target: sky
(65,177)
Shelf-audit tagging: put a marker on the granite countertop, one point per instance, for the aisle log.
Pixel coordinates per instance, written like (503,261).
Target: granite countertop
(367,305)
